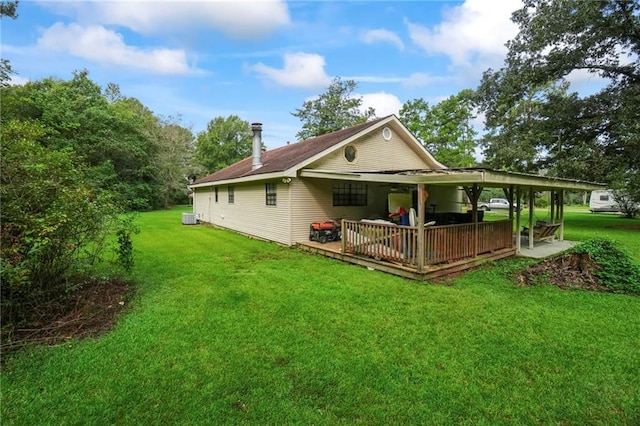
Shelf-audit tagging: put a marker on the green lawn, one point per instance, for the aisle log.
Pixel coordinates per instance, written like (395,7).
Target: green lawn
(581,225)
(229,330)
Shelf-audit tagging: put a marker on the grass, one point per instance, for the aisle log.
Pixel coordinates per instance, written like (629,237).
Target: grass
(228,330)
(581,225)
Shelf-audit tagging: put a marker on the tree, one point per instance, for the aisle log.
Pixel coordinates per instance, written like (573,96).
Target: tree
(333,110)
(55,224)
(10,10)
(226,141)
(529,135)
(627,202)
(171,160)
(444,129)
(596,136)
(117,138)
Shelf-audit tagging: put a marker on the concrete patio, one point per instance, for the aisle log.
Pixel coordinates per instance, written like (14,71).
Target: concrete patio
(542,249)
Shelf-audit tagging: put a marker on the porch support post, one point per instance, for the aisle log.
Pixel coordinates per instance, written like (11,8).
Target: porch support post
(475,191)
(531,215)
(344,237)
(422,201)
(561,213)
(474,195)
(553,202)
(508,194)
(518,217)
(511,204)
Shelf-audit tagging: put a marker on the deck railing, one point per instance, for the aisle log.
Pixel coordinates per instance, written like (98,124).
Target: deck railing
(443,244)
(380,241)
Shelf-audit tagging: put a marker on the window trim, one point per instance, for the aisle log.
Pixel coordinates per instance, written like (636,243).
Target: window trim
(346,156)
(350,194)
(231,196)
(271,193)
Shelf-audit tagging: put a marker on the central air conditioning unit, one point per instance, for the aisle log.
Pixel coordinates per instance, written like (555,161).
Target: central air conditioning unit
(189,218)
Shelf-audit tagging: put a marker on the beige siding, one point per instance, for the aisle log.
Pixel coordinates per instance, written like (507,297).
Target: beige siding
(249,213)
(375,153)
(312,201)
(203,200)
(304,201)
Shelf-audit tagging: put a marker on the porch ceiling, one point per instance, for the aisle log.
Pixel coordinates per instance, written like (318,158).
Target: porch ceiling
(458,177)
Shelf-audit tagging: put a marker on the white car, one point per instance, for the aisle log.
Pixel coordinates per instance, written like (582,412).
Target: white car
(497,204)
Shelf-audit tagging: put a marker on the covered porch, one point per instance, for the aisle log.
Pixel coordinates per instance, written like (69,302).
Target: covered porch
(429,250)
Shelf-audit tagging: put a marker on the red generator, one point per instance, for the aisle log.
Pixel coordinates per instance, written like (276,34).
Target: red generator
(325,231)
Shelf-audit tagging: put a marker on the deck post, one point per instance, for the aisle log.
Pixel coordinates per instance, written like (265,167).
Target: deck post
(343,249)
(510,197)
(476,196)
(518,218)
(561,213)
(531,215)
(422,201)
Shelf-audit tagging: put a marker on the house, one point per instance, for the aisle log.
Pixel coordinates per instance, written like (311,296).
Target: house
(366,172)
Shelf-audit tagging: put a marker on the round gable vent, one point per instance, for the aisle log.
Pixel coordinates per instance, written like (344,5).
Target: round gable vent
(386,133)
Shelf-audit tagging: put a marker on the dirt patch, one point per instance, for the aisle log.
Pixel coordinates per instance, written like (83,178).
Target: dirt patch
(626,227)
(571,270)
(93,311)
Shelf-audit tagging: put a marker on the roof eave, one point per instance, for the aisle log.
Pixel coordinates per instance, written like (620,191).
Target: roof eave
(458,177)
(244,179)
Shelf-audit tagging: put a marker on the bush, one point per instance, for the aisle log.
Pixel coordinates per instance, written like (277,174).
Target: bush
(542,201)
(616,269)
(55,226)
(628,201)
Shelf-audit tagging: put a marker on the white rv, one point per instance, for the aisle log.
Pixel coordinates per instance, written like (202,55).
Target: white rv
(603,201)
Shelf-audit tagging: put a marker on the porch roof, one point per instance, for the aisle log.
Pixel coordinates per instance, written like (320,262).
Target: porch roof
(458,176)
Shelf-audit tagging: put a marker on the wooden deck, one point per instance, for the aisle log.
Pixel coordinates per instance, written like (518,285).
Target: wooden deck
(449,249)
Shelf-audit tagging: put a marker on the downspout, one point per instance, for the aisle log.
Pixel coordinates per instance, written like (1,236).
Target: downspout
(289,187)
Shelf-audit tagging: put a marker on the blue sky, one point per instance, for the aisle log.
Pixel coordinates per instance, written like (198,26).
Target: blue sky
(261,60)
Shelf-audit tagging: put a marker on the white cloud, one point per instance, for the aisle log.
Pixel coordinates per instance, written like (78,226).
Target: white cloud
(375,79)
(384,103)
(419,79)
(238,19)
(16,80)
(473,33)
(99,44)
(382,36)
(300,70)
(414,80)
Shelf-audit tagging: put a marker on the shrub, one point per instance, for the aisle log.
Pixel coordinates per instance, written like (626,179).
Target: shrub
(628,202)
(55,226)
(542,201)
(617,270)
